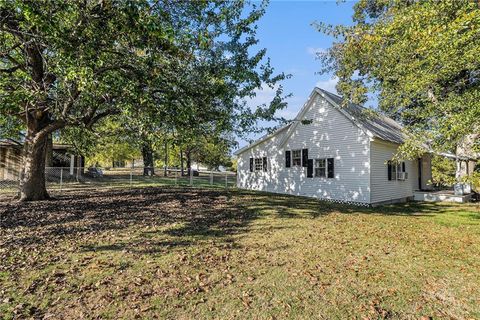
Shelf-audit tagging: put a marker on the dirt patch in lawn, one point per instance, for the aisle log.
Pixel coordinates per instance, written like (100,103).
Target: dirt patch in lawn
(186,253)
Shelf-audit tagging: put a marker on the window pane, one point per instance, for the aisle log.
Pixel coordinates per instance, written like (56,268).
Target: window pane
(258,164)
(297,157)
(320,168)
(320,172)
(320,163)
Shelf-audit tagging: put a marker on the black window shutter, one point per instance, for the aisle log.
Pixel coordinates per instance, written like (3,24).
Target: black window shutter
(251,164)
(304,157)
(403,167)
(310,168)
(331,169)
(264,163)
(389,165)
(288,159)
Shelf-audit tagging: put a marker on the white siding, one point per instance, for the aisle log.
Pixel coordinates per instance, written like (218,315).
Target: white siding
(381,188)
(260,180)
(330,135)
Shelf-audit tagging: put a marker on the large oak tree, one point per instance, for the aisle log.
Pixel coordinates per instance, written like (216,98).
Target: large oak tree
(69,64)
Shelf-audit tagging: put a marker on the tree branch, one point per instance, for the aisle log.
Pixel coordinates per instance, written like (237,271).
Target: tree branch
(48,129)
(90,122)
(68,106)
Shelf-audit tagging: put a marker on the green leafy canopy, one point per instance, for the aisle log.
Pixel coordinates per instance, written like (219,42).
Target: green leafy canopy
(420,58)
(162,64)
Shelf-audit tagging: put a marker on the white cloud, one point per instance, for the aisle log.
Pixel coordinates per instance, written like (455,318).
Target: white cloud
(315,51)
(328,85)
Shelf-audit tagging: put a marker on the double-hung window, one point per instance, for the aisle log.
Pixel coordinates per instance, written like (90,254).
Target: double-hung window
(325,168)
(258,164)
(396,170)
(320,168)
(297,158)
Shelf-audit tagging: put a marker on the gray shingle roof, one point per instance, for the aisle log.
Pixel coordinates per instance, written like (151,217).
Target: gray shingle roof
(379,125)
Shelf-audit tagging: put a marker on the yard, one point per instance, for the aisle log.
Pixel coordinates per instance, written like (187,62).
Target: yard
(185,253)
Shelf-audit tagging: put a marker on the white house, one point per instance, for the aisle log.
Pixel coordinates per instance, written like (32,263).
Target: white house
(335,152)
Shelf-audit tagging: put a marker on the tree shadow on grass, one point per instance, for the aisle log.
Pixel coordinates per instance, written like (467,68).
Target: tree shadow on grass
(184,215)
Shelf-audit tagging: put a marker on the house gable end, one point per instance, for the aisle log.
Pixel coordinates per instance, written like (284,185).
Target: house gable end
(306,107)
(263,139)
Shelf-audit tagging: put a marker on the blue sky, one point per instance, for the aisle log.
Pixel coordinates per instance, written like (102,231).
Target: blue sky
(291,41)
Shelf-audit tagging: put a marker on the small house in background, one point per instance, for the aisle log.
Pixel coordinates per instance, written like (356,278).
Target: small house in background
(334,151)
(64,156)
(61,155)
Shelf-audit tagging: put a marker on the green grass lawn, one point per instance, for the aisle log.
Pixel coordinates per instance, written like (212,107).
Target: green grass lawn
(189,253)
(122,180)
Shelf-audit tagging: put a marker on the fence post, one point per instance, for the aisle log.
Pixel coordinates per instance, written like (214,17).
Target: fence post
(72,164)
(191,177)
(61,180)
(131,175)
(226,180)
(176,177)
(211,177)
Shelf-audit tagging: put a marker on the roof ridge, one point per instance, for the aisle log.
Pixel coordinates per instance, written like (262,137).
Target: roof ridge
(342,98)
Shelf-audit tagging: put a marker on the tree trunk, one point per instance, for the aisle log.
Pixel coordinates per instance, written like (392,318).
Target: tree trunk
(165,173)
(32,182)
(189,161)
(147,154)
(181,162)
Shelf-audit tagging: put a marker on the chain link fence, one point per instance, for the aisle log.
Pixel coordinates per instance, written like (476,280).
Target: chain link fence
(60,179)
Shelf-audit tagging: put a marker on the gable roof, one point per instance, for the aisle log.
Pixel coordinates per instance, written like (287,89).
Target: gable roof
(378,125)
(374,124)
(263,138)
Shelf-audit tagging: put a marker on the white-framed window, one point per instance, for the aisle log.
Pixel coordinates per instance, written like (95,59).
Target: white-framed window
(297,158)
(320,168)
(325,168)
(397,170)
(258,164)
